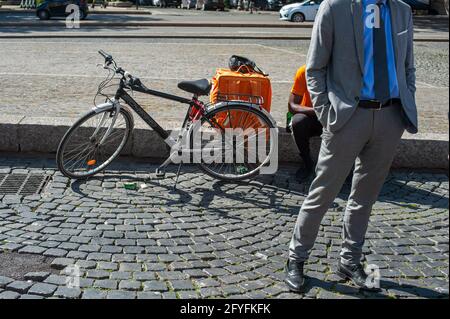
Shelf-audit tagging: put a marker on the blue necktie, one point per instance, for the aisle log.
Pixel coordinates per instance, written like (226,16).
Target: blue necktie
(381,71)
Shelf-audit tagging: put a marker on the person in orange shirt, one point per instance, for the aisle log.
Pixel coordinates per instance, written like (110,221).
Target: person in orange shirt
(304,123)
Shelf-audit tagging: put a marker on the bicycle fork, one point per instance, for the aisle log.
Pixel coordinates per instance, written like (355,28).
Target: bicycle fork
(102,107)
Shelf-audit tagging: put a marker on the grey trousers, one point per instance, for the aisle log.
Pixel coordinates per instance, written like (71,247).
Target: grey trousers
(369,141)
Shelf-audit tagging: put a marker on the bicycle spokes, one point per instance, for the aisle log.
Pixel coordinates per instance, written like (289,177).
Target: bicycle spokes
(94,142)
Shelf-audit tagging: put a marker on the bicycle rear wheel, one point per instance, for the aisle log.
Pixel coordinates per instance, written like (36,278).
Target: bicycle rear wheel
(238,142)
(89,146)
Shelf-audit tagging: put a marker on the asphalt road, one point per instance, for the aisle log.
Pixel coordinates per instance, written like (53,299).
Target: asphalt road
(102,25)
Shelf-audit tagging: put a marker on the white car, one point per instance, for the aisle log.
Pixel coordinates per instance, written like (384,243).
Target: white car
(300,12)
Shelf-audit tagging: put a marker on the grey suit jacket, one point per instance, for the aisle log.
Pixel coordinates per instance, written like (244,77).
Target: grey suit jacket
(334,68)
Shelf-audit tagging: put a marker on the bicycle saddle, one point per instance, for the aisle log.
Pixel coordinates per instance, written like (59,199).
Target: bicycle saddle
(198,87)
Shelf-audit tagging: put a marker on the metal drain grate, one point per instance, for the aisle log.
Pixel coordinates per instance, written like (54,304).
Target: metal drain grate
(22,184)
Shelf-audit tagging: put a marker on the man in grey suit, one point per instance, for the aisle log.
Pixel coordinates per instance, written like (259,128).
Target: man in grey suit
(361,77)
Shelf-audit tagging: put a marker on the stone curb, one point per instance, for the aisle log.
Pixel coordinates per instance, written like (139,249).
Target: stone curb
(21,134)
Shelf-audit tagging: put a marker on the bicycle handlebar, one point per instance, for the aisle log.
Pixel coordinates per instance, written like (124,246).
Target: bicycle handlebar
(105,55)
(109,60)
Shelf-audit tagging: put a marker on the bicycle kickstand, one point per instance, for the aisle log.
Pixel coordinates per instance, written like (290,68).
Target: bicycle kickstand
(178,174)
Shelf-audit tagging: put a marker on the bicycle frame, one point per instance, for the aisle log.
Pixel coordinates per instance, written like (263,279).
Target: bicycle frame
(151,122)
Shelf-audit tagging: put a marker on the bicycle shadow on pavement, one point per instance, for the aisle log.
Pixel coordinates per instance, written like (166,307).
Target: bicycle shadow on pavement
(269,192)
(265,192)
(77,187)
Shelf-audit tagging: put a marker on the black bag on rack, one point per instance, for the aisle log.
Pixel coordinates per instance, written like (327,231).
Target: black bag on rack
(243,65)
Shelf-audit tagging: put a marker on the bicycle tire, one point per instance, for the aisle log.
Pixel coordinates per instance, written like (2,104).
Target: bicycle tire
(235,107)
(60,152)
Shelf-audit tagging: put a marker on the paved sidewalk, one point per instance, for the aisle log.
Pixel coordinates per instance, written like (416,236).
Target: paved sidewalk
(211,239)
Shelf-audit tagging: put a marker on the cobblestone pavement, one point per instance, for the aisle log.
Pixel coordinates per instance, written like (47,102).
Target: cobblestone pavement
(44,78)
(212,239)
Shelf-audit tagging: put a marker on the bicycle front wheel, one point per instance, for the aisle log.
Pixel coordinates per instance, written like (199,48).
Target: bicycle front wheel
(93,142)
(236,141)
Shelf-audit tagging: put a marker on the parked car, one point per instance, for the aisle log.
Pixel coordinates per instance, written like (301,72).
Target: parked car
(213,5)
(274,5)
(57,8)
(101,3)
(188,4)
(142,2)
(166,3)
(258,4)
(300,12)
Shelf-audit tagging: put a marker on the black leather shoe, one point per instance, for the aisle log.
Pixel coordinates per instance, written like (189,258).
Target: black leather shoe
(356,275)
(294,276)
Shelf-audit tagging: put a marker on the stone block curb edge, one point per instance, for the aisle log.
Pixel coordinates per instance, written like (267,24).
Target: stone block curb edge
(21,134)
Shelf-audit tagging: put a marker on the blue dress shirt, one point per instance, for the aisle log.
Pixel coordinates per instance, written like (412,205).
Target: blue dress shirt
(368,89)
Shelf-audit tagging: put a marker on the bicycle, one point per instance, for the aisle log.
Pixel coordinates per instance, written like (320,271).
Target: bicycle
(99,136)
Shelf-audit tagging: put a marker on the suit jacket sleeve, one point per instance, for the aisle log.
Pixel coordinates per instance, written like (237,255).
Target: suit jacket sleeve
(409,63)
(319,54)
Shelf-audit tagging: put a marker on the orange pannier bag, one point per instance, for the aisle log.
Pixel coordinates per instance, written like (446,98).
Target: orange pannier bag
(236,86)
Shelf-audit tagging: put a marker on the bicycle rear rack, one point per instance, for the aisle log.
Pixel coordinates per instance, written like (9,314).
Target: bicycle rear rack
(232,97)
